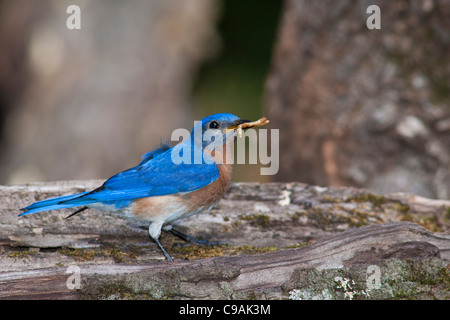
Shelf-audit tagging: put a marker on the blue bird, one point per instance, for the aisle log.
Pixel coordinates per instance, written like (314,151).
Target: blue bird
(169,183)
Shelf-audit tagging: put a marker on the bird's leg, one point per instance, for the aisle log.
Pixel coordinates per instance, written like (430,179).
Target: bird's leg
(194,240)
(166,254)
(154,230)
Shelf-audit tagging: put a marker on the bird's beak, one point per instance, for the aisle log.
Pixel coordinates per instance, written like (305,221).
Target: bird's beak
(241,124)
(236,124)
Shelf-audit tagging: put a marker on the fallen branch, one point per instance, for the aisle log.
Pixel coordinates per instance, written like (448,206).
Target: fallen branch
(333,232)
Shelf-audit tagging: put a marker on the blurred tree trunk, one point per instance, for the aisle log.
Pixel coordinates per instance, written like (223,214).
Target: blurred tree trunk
(87,103)
(361,107)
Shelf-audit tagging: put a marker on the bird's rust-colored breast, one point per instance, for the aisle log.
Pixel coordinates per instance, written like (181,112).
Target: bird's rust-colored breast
(213,192)
(154,207)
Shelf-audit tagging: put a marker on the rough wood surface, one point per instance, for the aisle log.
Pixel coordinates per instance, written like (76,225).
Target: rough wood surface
(285,240)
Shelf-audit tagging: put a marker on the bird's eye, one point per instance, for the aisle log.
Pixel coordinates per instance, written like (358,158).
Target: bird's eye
(213,125)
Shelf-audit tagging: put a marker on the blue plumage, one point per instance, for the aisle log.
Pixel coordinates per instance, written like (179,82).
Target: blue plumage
(156,176)
(50,204)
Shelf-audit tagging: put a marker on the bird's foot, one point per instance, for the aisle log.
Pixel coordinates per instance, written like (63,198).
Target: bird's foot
(188,238)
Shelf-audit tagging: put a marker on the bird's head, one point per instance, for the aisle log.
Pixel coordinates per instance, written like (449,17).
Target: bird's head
(216,128)
(211,133)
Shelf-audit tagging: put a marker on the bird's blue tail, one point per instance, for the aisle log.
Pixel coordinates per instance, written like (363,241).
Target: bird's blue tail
(52,204)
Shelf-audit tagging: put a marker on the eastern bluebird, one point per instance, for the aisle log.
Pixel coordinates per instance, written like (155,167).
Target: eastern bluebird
(169,183)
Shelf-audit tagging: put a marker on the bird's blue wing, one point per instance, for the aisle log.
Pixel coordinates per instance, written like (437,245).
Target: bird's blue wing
(157,176)
(155,152)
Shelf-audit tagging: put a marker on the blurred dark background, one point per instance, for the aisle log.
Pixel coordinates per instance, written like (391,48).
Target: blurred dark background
(355,107)
(234,78)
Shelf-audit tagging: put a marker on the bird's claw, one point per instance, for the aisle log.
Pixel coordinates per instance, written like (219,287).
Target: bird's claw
(200,242)
(188,238)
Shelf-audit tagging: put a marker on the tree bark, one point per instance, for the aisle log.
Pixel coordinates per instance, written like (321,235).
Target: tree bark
(360,107)
(268,275)
(285,240)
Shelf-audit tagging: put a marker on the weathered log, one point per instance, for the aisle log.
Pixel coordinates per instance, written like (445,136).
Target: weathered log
(285,240)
